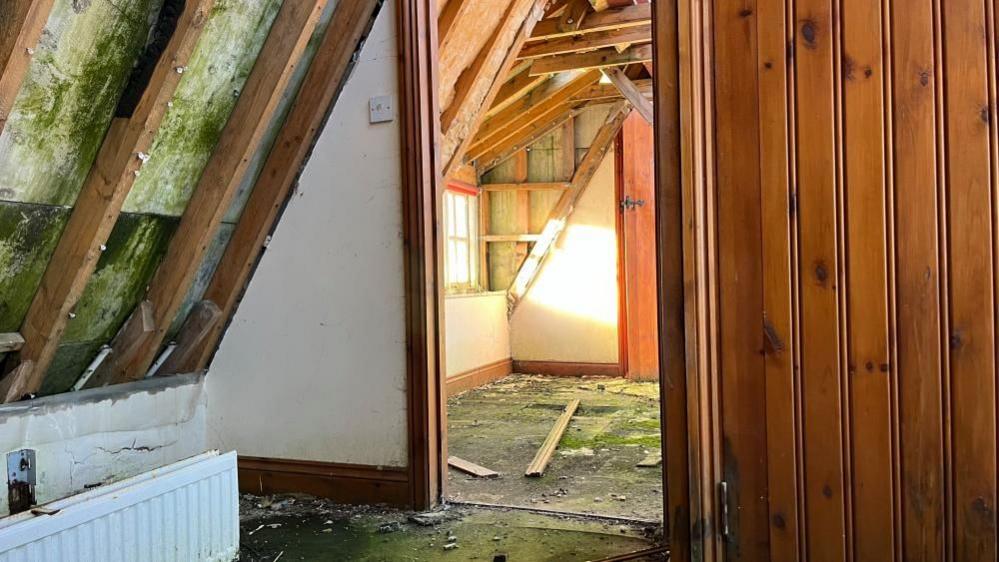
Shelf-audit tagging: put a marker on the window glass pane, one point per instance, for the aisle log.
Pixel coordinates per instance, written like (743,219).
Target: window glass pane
(461,216)
(461,273)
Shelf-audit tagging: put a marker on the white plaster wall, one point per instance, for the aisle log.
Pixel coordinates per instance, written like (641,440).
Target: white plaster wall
(477,331)
(105,434)
(571,311)
(313,366)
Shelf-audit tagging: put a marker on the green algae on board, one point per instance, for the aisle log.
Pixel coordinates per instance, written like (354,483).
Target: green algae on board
(206,96)
(28,236)
(59,120)
(68,364)
(134,250)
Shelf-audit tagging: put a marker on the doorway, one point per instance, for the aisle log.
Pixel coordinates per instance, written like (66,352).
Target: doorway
(430,316)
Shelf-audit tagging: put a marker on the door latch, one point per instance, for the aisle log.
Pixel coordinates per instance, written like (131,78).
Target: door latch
(629,204)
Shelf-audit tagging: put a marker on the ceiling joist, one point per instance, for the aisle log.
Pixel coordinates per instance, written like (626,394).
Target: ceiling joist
(135,347)
(98,206)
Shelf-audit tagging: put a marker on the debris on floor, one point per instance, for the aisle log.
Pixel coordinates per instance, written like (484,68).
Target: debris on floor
(615,428)
(306,528)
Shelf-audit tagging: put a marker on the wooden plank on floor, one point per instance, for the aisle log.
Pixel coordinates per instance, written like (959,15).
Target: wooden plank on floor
(651,460)
(134,349)
(21,25)
(98,206)
(319,91)
(471,468)
(544,455)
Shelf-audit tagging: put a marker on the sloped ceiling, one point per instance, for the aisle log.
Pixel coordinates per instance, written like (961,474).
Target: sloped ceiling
(78,73)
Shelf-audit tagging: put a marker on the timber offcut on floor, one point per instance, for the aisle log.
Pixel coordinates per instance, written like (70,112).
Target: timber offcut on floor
(596,466)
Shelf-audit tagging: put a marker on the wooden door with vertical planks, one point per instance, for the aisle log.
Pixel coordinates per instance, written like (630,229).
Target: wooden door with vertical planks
(637,237)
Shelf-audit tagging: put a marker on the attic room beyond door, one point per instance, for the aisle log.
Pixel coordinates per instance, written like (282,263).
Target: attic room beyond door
(550,301)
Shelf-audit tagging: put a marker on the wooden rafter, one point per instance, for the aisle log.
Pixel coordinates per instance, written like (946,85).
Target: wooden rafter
(541,103)
(135,347)
(632,93)
(458,137)
(484,66)
(21,25)
(629,16)
(452,16)
(98,206)
(588,42)
(515,88)
(319,91)
(610,92)
(527,136)
(601,58)
(560,214)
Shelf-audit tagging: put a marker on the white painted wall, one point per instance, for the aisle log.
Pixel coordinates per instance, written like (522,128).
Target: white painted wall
(571,311)
(105,434)
(313,366)
(477,331)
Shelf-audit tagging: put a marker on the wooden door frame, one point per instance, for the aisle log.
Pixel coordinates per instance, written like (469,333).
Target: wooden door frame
(681,121)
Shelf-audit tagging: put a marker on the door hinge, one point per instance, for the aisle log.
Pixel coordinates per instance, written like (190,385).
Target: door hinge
(723,513)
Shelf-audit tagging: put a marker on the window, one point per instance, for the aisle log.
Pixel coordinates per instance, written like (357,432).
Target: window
(461,225)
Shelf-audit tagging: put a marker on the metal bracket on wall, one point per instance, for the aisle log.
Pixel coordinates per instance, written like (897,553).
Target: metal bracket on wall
(21,480)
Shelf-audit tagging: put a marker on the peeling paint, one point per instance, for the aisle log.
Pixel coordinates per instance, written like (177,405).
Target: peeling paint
(205,98)
(58,121)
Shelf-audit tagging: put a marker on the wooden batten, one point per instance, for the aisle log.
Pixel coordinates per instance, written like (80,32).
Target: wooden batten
(589,42)
(544,455)
(98,206)
(322,84)
(600,58)
(21,25)
(133,349)
(630,16)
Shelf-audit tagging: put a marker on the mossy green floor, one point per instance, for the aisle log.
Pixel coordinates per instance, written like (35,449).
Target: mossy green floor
(314,530)
(594,470)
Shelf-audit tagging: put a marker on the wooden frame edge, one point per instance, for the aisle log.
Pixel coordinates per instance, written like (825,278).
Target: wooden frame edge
(421,176)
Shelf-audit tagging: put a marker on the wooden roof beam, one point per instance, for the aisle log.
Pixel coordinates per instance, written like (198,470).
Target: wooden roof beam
(588,42)
(21,25)
(97,208)
(540,104)
(601,58)
(559,216)
(632,93)
(515,89)
(629,16)
(508,147)
(458,137)
(320,89)
(136,346)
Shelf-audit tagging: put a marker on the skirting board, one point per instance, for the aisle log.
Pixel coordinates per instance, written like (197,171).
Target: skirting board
(478,377)
(567,369)
(344,483)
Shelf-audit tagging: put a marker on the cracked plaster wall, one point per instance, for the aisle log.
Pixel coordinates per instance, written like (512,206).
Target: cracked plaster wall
(104,435)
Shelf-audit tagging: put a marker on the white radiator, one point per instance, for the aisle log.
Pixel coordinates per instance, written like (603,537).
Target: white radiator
(184,512)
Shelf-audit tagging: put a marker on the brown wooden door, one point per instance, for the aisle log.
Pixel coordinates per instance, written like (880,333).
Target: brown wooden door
(637,236)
